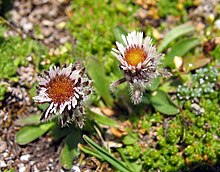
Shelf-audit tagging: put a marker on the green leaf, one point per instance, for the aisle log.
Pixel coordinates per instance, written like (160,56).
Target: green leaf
(135,166)
(30,133)
(70,151)
(154,84)
(97,73)
(107,156)
(3,90)
(43,107)
(170,86)
(3,21)
(30,120)
(102,119)
(130,139)
(175,33)
(162,103)
(57,132)
(6,23)
(180,49)
(118,32)
(89,151)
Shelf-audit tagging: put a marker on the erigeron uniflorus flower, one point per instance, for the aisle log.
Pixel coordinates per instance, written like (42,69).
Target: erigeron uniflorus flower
(66,90)
(139,61)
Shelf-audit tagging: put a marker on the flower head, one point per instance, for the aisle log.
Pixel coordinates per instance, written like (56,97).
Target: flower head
(66,90)
(139,61)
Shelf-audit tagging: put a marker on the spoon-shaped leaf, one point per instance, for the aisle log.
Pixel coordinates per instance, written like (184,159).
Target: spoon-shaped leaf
(32,132)
(162,103)
(97,73)
(175,33)
(70,149)
(180,49)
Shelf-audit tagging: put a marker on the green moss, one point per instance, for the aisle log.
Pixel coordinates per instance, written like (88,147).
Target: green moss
(215,53)
(168,7)
(93,23)
(3,90)
(14,51)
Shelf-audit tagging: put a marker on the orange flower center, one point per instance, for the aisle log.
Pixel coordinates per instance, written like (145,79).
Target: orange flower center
(60,89)
(133,56)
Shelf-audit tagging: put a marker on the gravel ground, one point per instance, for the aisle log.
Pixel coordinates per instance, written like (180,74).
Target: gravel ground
(28,17)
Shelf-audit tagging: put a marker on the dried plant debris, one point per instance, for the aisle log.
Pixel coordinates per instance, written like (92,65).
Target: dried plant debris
(204,10)
(27,75)
(42,20)
(148,13)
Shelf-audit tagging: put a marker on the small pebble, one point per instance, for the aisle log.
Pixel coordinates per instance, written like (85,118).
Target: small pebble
(217,24)
(5,154)
(21,168)
(2,164)
(75,169)
(3,146)
(25,157)
(197,109)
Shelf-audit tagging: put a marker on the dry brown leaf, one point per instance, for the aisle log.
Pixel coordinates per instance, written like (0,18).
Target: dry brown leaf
(107,111)
(121,131)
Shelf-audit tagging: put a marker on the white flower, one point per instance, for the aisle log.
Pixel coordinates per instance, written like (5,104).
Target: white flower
(66,90)
(139,61)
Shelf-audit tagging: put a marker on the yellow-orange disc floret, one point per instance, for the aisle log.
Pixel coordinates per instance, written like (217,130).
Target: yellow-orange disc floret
(60,89)
(133,56)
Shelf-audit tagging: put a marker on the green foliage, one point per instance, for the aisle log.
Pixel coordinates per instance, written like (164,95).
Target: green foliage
(94,31)
(177,143)
(180,49)
(102,119)
(32,132)
(160,141)
(10,170)
(168,7)
(72,136)
(118,164)
(162,103)
(97,72)
(130,139)
(216,52)
(30,120)
(118,31)
(132,152)
(14,51)
(3,90)
(69,151)
(173,7)
(175,33)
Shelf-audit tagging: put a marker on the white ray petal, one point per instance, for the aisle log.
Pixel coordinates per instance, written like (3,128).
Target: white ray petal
(62,107)
(124,39)
(76,95)
(48,110)
(75,74)
(139,65)
(140,39)
(119,57)
(74,102)
(121,48)
(115,50)
(52,72)
(43,81)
